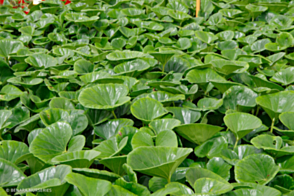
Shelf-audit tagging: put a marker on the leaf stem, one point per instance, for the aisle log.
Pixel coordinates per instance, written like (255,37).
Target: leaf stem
(113,114)
(94,137)
(272,126)
(257,111)
(236,143)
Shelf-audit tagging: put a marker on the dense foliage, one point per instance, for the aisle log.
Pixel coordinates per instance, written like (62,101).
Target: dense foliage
(139,97)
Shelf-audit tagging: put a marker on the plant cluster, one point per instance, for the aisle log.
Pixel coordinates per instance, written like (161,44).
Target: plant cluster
(140,97)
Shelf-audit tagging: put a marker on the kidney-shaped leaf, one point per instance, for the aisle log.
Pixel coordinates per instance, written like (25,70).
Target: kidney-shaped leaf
(277,103)
(110,128)
(147,109)
(197,133)
(185,115)
(77,159)
(159,125)
(210,186)
(41,60)
(12,150)
(10,174)
(8,47)
(241,123)
(256,168)
(157,161)
(89,186)
(51,141)
(104,96)
(52,177)
(111,147)
(272,144)
(195,173)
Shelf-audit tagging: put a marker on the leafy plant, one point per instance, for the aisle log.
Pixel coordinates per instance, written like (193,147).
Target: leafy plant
(143,98)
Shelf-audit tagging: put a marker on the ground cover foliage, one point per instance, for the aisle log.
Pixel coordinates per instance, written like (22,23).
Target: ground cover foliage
(134,97)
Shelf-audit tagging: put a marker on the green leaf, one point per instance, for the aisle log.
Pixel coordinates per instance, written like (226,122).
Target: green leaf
(239,98)
(197,133)
(111,128)
(166,138)
(123,55)
(118,190)
(256,168)
(203,76)
(211,148)
(82,66)
(135,188)
(147,109)
(77,159)
(12,150)
(286,119)
(89,186)
(78,122)
(211,186)
(185,115)
(272,144)
(276,103)
(95,173)
(159,125)
(62,103)
(195,173)
(111,147)
(10,174)
(220,167)
(104,96)
(241,123)
(155,162)
(52,177)
(51,141)
(115,164)
(206,37)
(142,138)
(284,76)
(9,47)
(41,61)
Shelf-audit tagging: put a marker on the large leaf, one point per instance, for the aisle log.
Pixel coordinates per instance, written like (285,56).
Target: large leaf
(51,141)
(195,173)
(12,150)
(241,123)
(41,61)
(89,186)
(77,121)
(185,115)
(203,76)
(9,47)
(211,186)
(77,159)
(256,168)
(159,125)
(197,133)
(272,144)
(276,103)
(111,128)
(10,174)
(104,96)
(111,147)
(147,109)
(52,177)
(157,161)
